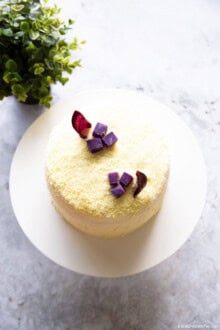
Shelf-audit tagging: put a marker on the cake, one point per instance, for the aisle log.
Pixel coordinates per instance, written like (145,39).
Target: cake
(81,180)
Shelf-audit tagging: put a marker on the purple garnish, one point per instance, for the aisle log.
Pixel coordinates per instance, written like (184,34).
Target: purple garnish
(113,178)
(118,191)
(80,124)
(141,182)
(100,130)
(126,179)
(109,139)
(94,145)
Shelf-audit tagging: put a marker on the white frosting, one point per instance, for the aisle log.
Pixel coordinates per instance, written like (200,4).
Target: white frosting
(78,180)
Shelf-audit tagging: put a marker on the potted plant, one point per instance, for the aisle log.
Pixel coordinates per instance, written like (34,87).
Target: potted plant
(33,52)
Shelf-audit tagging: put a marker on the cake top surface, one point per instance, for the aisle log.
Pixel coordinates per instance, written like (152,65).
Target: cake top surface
(81,177)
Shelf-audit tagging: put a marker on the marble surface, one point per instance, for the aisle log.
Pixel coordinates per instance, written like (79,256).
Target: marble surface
(170,51)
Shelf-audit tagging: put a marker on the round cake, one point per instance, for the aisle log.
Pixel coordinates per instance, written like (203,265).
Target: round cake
(111,180)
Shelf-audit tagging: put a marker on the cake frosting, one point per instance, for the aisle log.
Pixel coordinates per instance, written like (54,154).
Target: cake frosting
(78,179)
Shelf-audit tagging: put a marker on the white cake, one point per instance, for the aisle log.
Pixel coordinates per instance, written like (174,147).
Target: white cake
(78,179)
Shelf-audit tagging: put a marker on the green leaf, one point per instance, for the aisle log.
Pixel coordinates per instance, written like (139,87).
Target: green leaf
(46,100)
(18,34)
(17,7)
(38,71)
(75,64)
(48,64)
(48,80)
(25,26)
(15,24)
(65,60)
(63,80)
(38,68)
(68,70)
(11,65)
(62,31)
(57,58)
(30,46)
(34,34)
(74,44)
(10,77)
(43,91)
(7,77)
(48,40)
(7,32)
(20,17)
(19,91)
(55,23)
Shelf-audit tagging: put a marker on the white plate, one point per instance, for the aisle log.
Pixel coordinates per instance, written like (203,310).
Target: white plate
(157,240)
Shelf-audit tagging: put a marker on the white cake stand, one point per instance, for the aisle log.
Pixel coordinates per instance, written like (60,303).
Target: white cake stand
(150,245)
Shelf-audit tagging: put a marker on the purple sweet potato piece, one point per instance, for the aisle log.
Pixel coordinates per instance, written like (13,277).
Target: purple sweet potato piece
(113,178)
(118,191)
(125,179)
(100,130)
(141,182)
(109,139)
(94,145)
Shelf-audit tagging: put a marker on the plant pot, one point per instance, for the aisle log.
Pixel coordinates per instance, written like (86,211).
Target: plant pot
(31,100)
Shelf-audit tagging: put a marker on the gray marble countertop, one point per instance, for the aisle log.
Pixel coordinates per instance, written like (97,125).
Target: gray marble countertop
(170,51)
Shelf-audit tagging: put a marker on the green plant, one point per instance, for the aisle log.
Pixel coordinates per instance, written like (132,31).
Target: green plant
(33,52)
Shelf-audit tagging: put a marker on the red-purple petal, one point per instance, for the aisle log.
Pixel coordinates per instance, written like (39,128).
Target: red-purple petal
(141,182)
(80,124)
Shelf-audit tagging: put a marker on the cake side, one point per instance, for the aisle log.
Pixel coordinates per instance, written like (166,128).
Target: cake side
(105,227)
